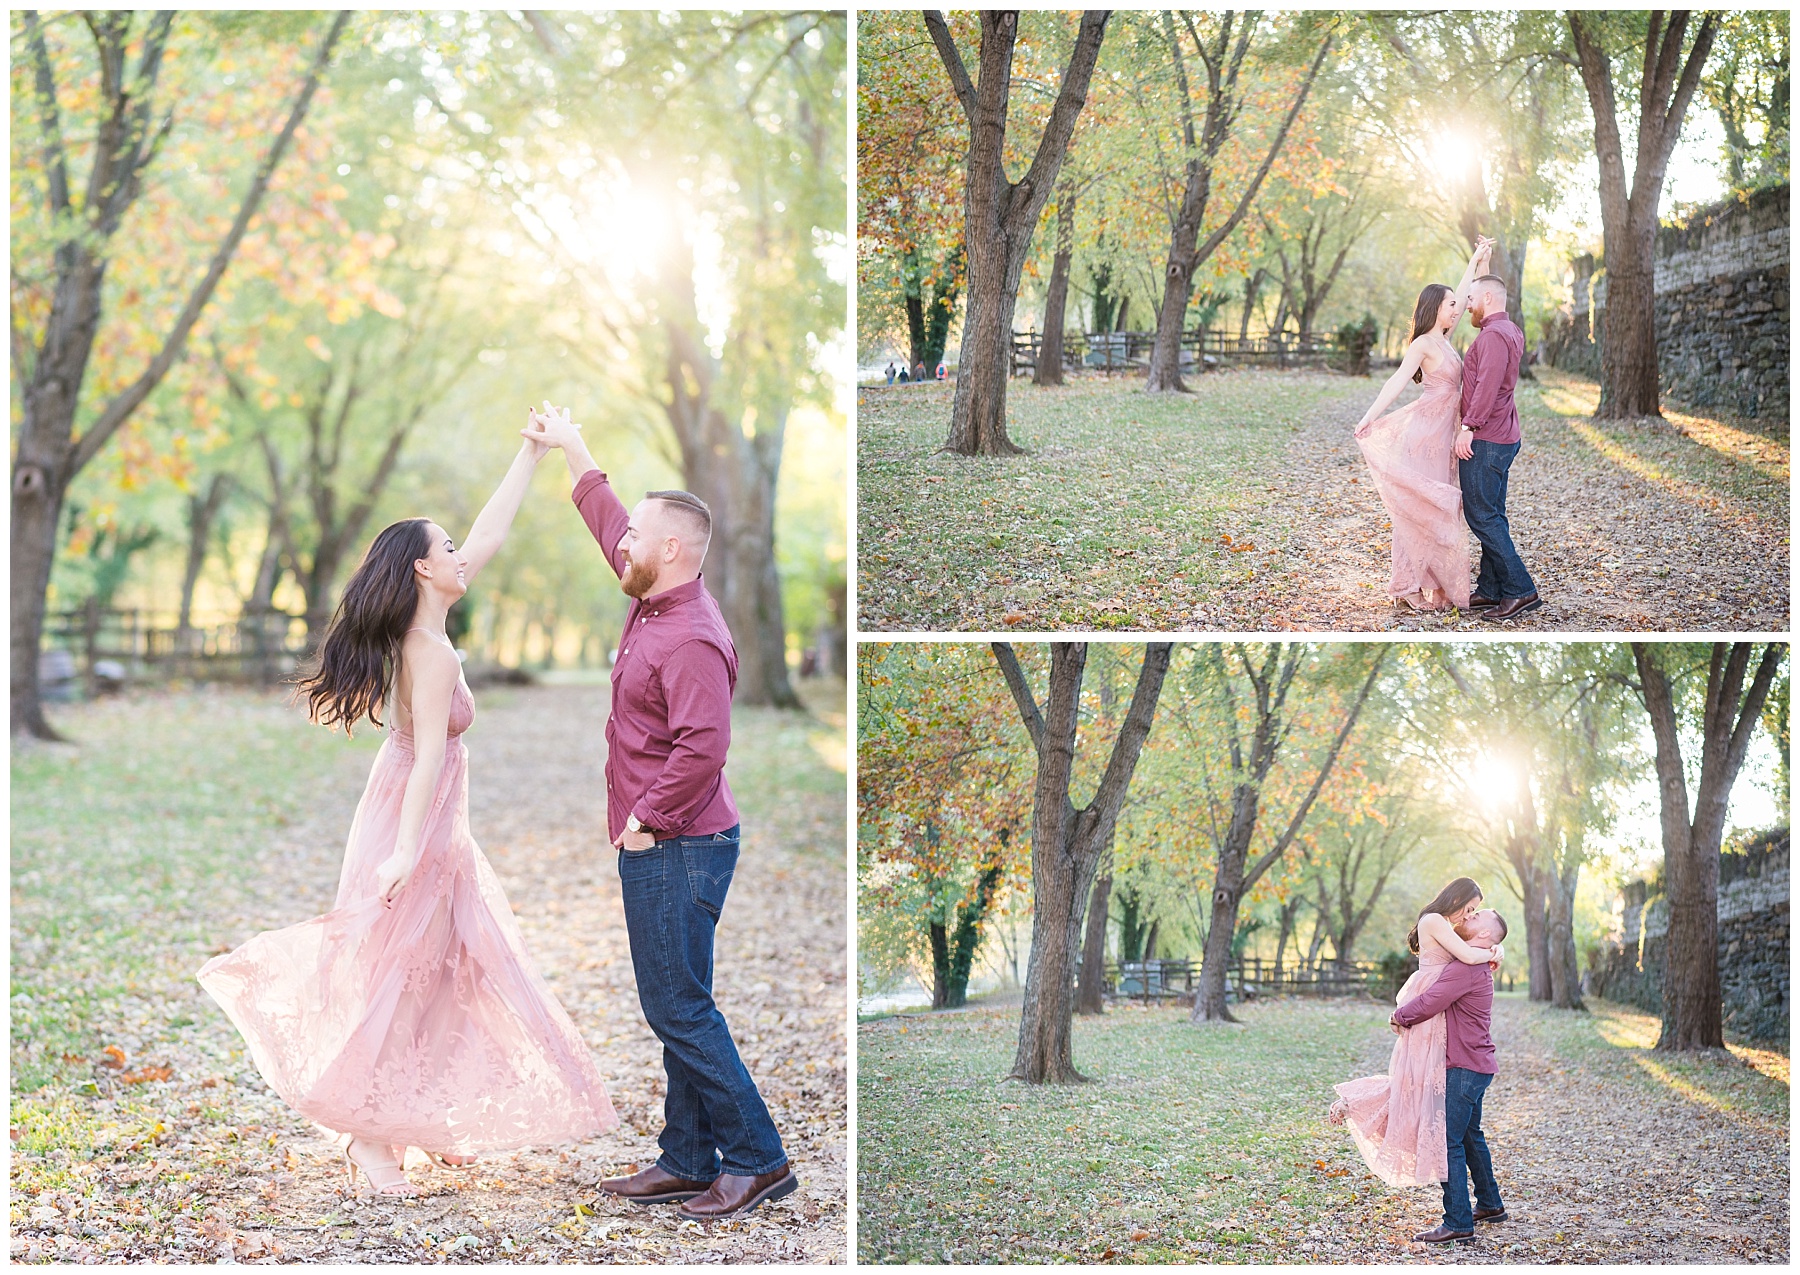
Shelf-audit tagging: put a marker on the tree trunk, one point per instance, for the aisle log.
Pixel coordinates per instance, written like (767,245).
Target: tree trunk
(1000,216)
(1692,1017)
(1537,938)
(1150,939)
(1235,872)
(940,966)
(203,508)
(736,476)
(48,455)
(1565,969)
(1628,371)
(1066,843)
(1091,995)
(1050,356)
(1186,252)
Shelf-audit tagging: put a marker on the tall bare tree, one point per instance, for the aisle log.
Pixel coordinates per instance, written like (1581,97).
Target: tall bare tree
(1224,62)
(999,215)
(1692,831)
(1628,363)
(1271,719)
(128,129)
(1066,843)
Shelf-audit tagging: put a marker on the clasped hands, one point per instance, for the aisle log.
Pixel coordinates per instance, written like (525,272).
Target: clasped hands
(1493,967)
(550,427)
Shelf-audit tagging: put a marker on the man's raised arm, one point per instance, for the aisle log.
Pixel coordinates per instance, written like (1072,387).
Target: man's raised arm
(599,505)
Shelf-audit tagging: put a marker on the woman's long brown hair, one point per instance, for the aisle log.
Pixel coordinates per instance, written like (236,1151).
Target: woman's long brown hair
(362,646)
(1425,315)
(1453,896)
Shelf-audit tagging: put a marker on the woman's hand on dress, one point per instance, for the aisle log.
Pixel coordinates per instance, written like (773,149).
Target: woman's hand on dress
(391,875)
(1363,427)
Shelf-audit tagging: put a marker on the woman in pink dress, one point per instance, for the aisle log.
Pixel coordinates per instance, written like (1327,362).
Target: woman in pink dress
(410,1014)
(1397,1120)
(1411,458)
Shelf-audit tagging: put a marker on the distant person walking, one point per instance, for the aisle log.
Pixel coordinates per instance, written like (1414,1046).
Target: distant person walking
(890,371)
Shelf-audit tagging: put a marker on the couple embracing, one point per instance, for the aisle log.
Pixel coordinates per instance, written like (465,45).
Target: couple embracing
(410,1015)
(1445,456)
(1421,1123)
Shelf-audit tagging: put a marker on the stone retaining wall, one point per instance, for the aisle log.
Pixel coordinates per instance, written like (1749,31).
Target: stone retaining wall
(1753,944)
(1721,308)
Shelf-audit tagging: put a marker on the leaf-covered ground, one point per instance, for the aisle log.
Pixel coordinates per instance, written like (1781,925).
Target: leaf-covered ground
(185,822)
(1210,1144)
(1247,507)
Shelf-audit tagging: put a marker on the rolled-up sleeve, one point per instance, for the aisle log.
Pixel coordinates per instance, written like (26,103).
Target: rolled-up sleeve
(1450,985)
(605,515)
(699,724)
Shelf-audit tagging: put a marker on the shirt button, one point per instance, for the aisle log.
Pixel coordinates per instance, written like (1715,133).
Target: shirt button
(626,651)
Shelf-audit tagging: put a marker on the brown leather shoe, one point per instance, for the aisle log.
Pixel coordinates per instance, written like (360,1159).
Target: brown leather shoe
(653,1186)
(733,1194)
(1491,1215)
(1477,602)
(1441,1234)
(1513,607)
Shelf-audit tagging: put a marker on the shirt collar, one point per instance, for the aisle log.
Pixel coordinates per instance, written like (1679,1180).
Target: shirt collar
(1493,318)
(676,596)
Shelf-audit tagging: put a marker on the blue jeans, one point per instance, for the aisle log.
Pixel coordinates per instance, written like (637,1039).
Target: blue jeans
(1483,479)
(714,1120)
(1469,1158)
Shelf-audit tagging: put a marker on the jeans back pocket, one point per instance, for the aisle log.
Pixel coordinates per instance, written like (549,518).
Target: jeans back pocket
(710,863)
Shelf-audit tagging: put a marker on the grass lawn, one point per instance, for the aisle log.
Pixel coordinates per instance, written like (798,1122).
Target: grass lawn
(1102,525)
(1210,1144)
(1246,506)
(183,819)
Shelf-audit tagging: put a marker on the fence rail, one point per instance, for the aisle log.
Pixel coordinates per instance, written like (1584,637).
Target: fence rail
(1111,352)
(102,646)
(1247,978)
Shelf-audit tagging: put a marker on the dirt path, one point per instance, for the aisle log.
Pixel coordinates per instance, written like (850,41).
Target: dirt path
(1614,540)
(1595,1166)
(248,1180)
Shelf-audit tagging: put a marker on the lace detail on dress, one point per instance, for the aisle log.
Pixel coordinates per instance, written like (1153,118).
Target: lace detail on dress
(1397,1120)
(424,1024)
(1411,458)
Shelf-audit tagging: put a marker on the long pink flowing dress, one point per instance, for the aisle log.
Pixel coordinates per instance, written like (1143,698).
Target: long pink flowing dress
(1397,1120)
(1410,454)
(424,1024)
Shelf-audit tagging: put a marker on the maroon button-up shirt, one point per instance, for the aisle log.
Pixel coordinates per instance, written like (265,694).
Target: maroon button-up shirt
(1490,370)
(670,725)
(1464,995)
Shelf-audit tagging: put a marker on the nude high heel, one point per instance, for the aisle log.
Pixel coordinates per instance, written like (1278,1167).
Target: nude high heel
(384,1179)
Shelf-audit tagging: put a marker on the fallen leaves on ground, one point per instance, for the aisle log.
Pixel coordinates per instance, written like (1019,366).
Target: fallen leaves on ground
(1210,1144)
(1244,508)
(188,1157)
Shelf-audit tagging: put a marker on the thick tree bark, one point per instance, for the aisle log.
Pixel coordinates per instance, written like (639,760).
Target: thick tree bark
(928,322)
(1186,252)
(1235,873)
(999,216)
(1692,1016)
(1091,993)
(48,455)
(736,476)
(1066,843)
(1050,357)
(1628,367)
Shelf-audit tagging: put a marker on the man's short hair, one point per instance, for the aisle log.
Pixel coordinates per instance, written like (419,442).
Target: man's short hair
(1500,924)
(1493,280)
(695,517)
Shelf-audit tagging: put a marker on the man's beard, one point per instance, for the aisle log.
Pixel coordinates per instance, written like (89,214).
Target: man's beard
(639,580)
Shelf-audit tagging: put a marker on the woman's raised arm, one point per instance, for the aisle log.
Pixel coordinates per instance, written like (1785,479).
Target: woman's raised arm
(1440,929)
(496,517)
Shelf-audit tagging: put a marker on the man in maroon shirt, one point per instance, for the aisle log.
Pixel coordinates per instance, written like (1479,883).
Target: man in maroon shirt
(672,817)
(1464,995)
(1485,448)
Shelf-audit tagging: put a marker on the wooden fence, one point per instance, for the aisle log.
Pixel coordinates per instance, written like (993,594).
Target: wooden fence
(95,647)
(1110,352)
(1251,977)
